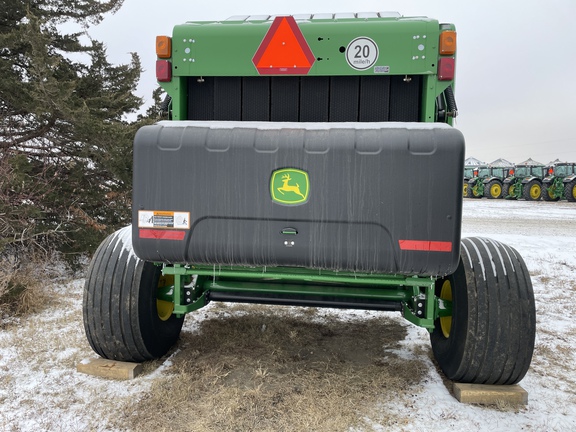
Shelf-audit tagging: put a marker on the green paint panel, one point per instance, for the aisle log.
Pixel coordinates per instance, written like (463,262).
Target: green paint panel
(403,45)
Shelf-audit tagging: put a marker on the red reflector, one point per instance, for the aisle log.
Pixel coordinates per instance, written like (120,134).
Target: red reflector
(283,50)
(162,234)
(163,70)
(425,245)
(446,68)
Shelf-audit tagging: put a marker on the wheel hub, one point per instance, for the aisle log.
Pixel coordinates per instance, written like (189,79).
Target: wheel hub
(496,190)
(163,307)
(446,322)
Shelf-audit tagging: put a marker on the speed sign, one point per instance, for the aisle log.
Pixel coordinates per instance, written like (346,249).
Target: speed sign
(362,53)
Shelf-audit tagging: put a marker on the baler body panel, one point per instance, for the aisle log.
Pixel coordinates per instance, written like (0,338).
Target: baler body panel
(299,194)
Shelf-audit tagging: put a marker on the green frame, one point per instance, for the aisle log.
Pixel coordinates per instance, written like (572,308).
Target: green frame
(414,295)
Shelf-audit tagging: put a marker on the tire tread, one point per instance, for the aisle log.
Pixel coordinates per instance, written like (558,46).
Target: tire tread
(494,325)
(119,305)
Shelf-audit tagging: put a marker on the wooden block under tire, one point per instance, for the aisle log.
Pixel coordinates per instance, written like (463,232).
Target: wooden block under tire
(110,369)
(490,394)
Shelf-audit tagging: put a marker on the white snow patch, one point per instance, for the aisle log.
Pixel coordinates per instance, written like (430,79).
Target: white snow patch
(124,237)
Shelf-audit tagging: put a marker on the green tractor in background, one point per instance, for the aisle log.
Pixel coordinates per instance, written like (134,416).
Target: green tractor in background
(475,187)
(493,184)
(525,181)
(560,182)
(486,181)
(468,174)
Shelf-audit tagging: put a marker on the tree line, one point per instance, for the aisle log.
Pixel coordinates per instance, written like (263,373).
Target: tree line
(65,146)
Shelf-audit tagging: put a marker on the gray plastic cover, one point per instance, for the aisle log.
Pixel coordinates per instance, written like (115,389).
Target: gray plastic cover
(367,197)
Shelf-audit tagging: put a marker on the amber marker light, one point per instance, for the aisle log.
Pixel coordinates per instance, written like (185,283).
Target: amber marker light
(447,42)
(163,47)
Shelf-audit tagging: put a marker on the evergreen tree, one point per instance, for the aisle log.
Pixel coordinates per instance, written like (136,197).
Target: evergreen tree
(65,150)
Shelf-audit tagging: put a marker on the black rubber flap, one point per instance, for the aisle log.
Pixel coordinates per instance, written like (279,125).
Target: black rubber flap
(370,197)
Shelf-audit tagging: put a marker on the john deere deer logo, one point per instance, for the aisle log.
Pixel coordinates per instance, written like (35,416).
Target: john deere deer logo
(289,186)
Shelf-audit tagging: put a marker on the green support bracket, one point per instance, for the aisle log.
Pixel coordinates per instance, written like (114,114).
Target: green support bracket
(422,309)
(192,285)
(177,89)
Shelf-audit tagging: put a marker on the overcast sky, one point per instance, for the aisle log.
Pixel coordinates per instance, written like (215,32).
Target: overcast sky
(516,64)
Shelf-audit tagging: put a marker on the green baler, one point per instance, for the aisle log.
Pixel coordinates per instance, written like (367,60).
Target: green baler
(280,179)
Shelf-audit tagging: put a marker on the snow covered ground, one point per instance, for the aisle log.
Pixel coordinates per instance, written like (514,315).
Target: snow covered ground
(41,390)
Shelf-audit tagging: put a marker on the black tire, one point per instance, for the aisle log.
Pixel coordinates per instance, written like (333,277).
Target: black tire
(570,191)
(490,337)
(532,190)
(546,193)
(468,190)
(493,190)
(120,310)
(509,190)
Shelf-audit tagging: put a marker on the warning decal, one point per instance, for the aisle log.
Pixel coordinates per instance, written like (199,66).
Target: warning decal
(283,50)
(163,219)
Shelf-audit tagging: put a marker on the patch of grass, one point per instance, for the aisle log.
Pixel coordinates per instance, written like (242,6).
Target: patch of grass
(21,286)
(262,369)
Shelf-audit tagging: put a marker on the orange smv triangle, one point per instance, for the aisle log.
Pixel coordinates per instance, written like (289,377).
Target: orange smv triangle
(283,50)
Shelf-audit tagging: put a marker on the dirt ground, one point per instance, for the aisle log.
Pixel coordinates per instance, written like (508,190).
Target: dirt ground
(280,369)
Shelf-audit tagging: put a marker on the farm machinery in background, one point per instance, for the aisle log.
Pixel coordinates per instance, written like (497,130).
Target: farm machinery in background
(525,181)
(560,182)
(468,174)
(486,181)
(529,180)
